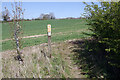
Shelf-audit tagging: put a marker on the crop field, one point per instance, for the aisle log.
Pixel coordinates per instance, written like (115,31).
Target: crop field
(62,30)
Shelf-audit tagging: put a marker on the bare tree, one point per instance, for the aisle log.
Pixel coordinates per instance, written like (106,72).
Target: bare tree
(16,27)
(52,16)
(6,15)
(41,16)
(47,16)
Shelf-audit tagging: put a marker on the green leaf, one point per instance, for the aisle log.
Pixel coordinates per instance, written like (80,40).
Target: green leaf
(108,50)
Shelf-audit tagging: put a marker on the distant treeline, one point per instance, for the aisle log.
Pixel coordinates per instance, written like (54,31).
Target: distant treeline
(43,19)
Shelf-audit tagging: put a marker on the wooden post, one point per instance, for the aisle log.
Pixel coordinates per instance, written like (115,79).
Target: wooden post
(49,40)
(49,46)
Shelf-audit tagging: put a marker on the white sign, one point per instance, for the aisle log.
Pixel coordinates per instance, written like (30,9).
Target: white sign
(49,29)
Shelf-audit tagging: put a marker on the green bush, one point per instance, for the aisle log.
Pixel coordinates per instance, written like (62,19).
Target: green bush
(105,25)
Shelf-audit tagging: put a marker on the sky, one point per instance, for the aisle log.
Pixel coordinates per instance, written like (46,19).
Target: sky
(60,9)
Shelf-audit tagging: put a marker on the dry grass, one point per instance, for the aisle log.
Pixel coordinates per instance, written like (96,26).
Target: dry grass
(36,63)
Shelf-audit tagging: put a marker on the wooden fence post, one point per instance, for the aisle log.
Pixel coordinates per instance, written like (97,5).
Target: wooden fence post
(49,39)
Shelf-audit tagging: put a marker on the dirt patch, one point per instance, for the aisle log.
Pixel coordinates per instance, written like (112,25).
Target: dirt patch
(33,36)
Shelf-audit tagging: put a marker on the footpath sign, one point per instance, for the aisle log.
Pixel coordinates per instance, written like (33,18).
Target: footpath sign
(49,29)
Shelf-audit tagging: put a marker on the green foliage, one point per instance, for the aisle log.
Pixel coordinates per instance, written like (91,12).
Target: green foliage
(105,25)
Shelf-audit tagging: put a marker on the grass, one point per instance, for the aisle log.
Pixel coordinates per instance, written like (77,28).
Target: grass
(8,45)
(61,30)
(36,64)
(40,27)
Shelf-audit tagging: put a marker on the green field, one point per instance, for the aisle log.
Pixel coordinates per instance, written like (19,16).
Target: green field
(61,30)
